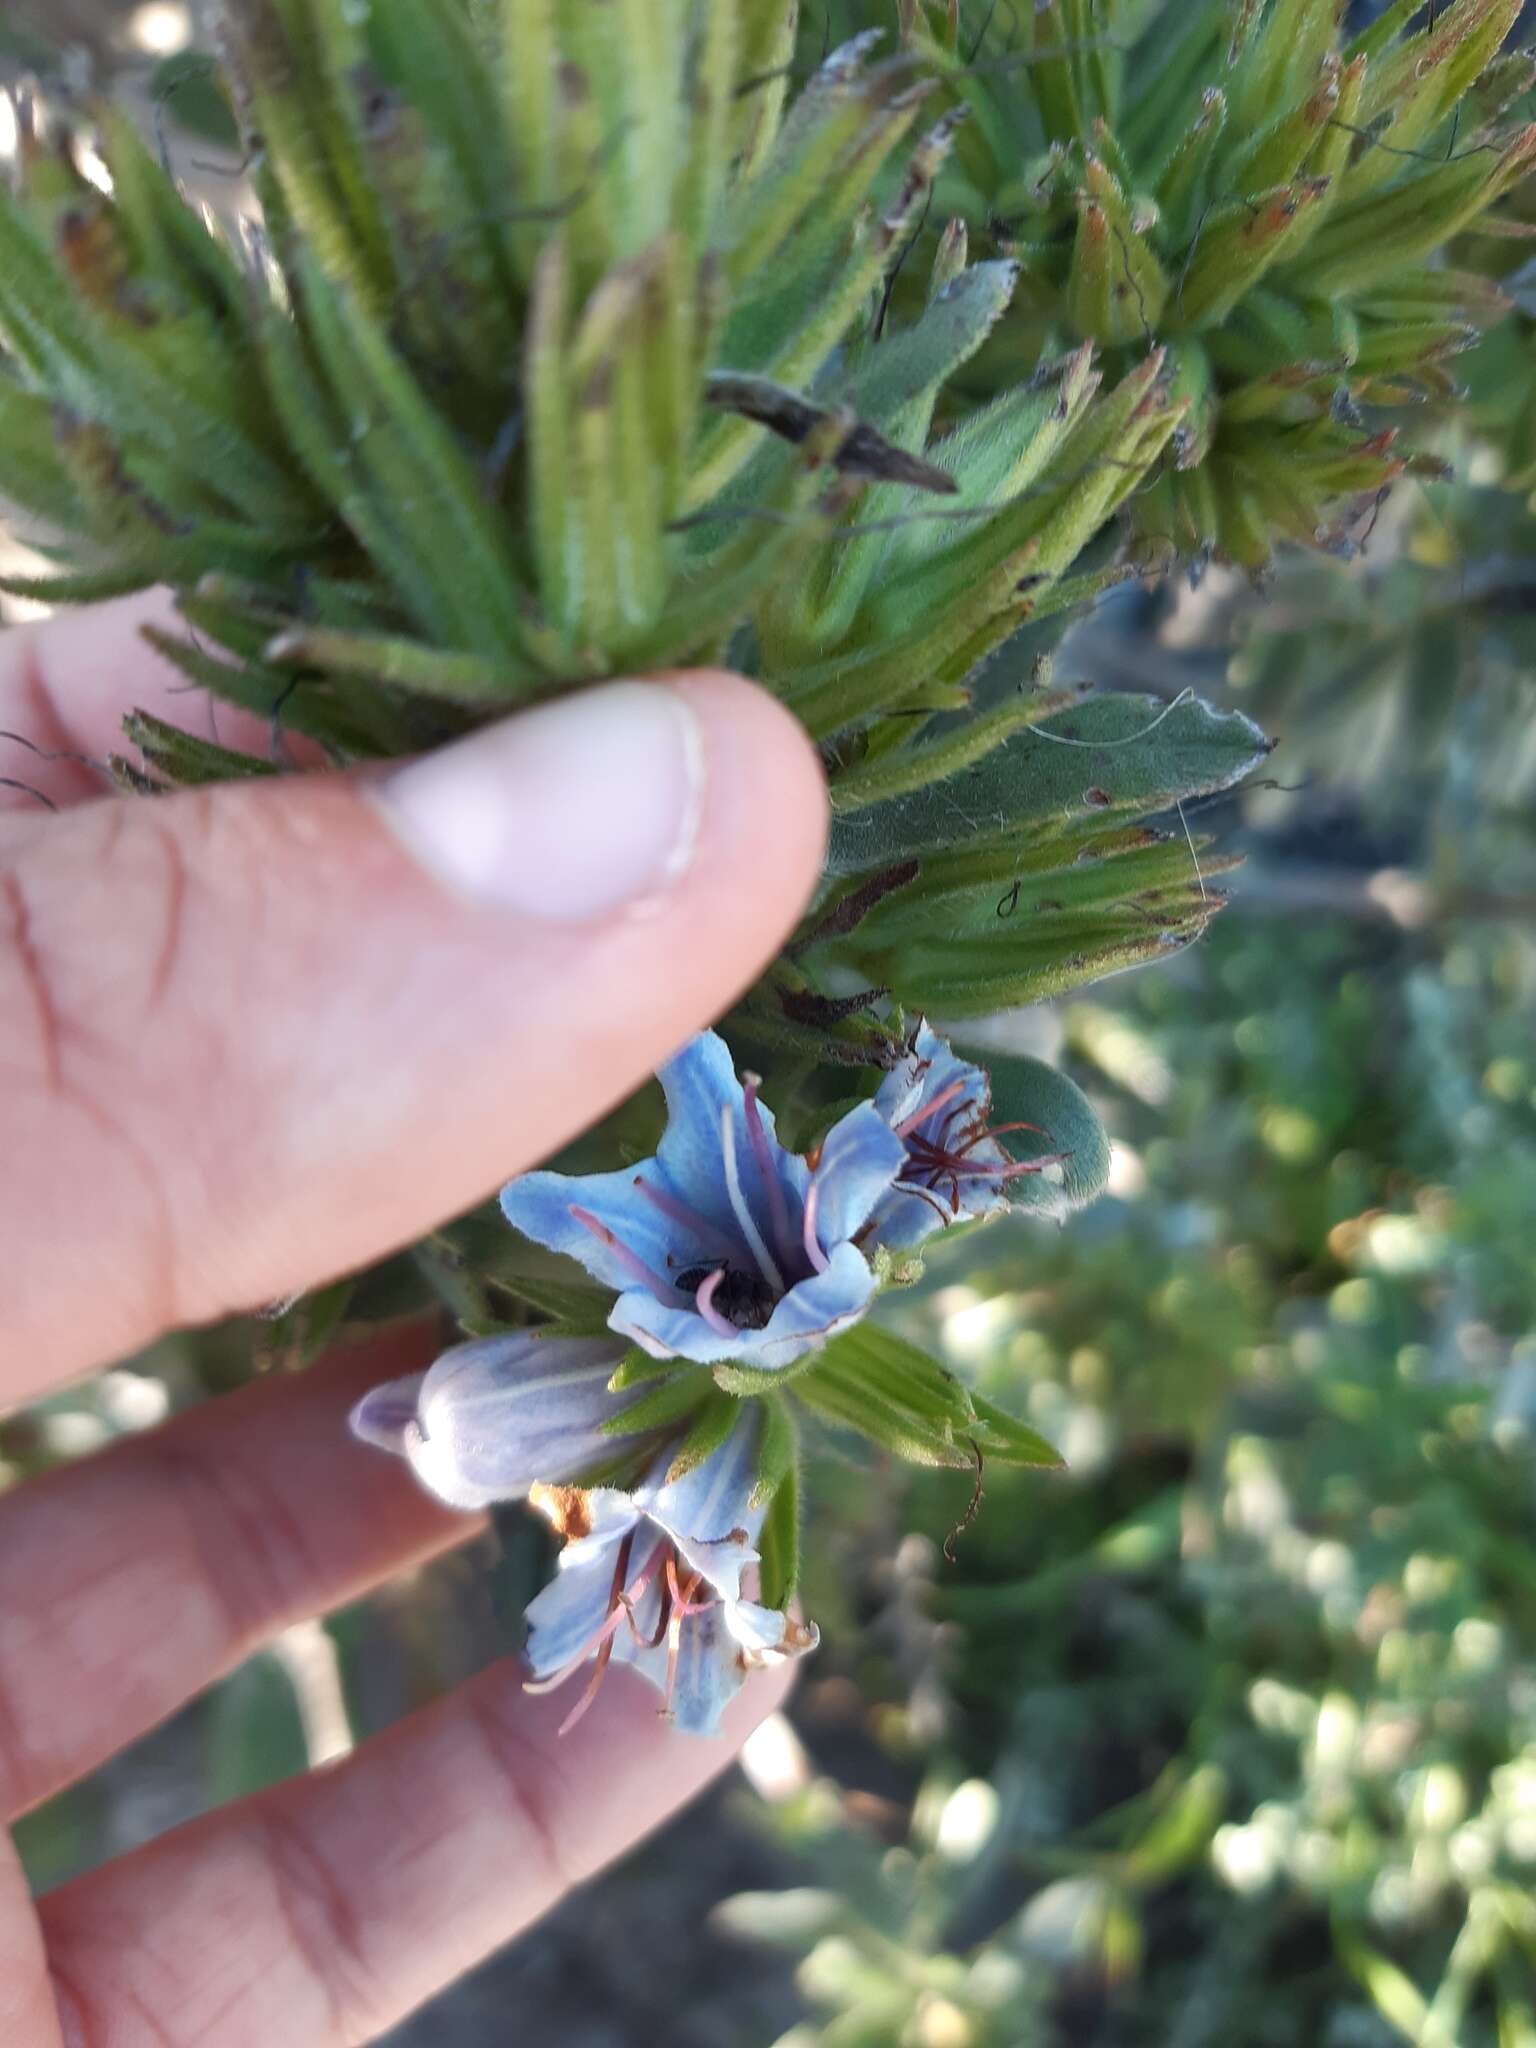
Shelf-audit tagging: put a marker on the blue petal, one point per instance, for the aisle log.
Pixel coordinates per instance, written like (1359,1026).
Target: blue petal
(860,1158)
(709,1674)
(766,1634)
(903,1221)
(701,1084)
(565,1618)
(802,1321)
(540,1204)
(815,1310)
(501,1414)
(717,1650)
(931,1067)
(708,1512)
(672,1332)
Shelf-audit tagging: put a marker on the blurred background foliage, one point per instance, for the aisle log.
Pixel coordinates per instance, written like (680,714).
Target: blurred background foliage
(1227,1735)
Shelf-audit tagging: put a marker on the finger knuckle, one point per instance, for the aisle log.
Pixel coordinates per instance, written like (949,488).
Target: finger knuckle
(81,999)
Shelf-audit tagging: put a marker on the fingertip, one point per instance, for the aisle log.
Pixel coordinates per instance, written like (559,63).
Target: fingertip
(767,808)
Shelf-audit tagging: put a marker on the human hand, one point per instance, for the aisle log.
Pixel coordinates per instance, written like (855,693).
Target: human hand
(254,1037)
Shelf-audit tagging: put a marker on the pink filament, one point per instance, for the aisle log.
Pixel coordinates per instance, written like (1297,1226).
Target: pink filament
(703,1301)
(601,1642)
(683,1602)
(682,1606)
(921,1116)
(813,1250)
(632,1263)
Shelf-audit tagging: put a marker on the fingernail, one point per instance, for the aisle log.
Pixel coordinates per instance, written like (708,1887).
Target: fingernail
(567,812)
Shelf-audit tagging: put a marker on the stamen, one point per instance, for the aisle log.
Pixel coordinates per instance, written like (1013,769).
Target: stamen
(703,1302)
(813,1250)
(683,1602)
(921,1116)
(739,1209)
(641,1584)
(999,1131)
(778,1208)
(593,1687)
(911,1187)
(601,1641)
(679,1212)
(674,1645)
(622,1600)
(683,1605)
(632,1263)
(1019,1166)
(1008,1171)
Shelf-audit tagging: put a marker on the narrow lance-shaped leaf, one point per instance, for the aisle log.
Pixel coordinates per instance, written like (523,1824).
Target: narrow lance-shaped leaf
(1110,755)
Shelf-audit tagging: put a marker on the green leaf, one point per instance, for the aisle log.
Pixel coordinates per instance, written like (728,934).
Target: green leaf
(777,1451)
(580,1311)
(912,365)
(188,87)
(1010,1442)
(796,1920)
(306,1326)
(778,1544)
(56,1839)
(638,1368)
(874,1382)
(1393,1992)
(465,549)
(185,758)
(1110,756)
(713,1420)
(686,1391)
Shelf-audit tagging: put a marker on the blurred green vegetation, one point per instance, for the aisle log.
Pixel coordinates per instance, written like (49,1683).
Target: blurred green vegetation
(1230,1734)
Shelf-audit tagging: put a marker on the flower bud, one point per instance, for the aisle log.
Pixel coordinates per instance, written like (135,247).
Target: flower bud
(501,1414)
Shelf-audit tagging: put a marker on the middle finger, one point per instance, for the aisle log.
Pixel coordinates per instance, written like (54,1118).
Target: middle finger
(133,1579)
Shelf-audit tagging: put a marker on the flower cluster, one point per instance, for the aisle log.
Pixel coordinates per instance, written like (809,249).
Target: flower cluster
(725,1250)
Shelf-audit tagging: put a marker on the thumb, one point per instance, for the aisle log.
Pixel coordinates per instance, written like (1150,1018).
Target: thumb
(269,1031)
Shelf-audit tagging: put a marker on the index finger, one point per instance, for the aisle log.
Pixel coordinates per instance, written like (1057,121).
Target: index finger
(326,1909)
(66,685)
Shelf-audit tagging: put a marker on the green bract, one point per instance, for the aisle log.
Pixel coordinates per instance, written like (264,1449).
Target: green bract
(559,349)
(1244,184)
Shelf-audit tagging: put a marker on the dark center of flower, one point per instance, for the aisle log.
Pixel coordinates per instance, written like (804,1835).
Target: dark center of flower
(743,1296)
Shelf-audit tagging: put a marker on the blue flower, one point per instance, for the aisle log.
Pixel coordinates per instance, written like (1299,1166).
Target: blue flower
(724,1246)
(497,1416)
(954,1169)
(661,1579)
